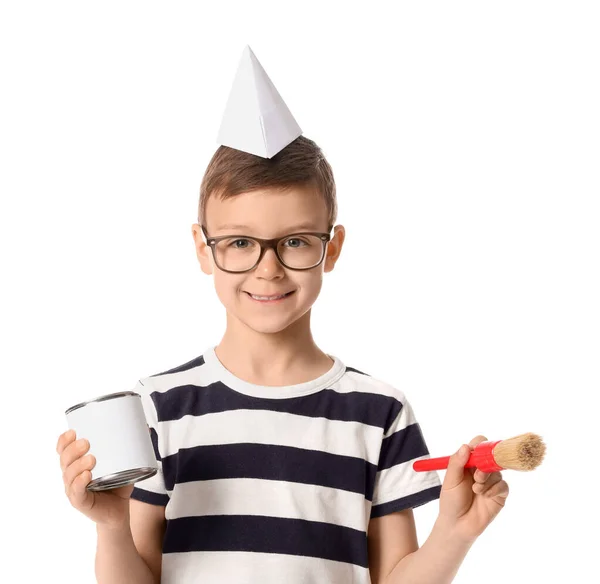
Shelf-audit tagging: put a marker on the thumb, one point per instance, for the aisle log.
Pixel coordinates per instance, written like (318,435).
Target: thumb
(455,473)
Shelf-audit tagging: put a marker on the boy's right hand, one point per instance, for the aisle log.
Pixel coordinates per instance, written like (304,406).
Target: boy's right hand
(107,508)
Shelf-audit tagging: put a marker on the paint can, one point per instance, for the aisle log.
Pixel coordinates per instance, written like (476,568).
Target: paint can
(119,437)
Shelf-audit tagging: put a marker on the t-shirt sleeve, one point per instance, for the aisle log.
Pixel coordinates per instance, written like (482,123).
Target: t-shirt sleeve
(151,490)
(397,485)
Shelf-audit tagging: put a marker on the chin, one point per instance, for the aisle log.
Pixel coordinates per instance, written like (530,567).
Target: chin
(268,328)
(268,324)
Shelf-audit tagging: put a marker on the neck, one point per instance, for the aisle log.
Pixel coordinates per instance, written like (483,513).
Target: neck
(284,357)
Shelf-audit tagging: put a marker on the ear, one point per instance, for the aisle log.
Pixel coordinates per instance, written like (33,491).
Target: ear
(203,251)
(334,247)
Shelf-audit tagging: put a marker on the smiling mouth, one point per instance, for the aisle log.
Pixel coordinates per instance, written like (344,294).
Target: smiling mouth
(267,298)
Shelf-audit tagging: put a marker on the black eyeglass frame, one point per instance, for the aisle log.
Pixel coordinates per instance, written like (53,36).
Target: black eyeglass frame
(266,244)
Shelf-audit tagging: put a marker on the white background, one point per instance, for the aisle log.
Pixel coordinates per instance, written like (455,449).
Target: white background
(465,142)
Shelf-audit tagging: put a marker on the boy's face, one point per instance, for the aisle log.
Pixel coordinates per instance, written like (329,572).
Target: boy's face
(267,214)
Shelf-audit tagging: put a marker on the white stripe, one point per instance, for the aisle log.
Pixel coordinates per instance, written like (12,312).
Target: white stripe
(250,567)
(402,480)
(353,381)
(269,427)
(204,375)
(154,484)
(405,418)
(270,499)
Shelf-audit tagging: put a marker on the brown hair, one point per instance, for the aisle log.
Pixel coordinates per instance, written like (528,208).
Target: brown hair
(231,172)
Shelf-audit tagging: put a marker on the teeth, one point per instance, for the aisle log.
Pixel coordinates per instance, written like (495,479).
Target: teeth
(266,297)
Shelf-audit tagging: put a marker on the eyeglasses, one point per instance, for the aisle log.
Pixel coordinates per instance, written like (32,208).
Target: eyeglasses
(296,251)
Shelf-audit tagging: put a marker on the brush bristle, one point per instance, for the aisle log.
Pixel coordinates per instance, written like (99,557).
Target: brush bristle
(523,452)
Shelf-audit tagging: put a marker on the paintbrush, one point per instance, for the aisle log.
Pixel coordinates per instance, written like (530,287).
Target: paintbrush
(524,452)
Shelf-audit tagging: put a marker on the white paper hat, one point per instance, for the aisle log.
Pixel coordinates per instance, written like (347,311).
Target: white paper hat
(256,119)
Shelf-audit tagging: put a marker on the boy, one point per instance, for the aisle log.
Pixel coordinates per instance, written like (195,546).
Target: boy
(277,462)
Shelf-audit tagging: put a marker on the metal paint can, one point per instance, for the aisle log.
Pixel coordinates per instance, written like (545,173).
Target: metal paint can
(116,428)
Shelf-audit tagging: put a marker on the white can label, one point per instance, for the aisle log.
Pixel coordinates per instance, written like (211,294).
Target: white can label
(117,432)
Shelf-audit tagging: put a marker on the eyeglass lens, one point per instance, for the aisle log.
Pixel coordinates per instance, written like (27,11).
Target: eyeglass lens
(240,254)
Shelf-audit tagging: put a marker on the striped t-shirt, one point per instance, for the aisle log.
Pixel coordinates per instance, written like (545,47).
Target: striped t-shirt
(277,484)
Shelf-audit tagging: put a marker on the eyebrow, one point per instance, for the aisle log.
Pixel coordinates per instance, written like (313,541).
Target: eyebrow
(299,227)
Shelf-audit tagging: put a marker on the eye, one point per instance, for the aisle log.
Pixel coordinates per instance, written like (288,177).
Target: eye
(233,243)
(299,241)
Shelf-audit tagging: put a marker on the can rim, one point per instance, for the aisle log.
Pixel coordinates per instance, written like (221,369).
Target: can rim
(122,478)
(102,398)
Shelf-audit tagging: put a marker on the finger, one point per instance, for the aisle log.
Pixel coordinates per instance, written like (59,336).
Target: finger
(477,475)
(64,440)
(79,493)
(477,440)
(72,452)
(474,442)
(455,473)
(499,492)
(494,478)
(74,470)
(480,477)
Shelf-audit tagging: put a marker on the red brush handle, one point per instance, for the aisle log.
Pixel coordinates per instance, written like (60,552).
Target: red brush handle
(481,457)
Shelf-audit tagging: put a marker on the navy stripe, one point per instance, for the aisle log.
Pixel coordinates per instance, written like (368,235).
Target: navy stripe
(195,362)
(154,438)
(149,497)
(270,462)
(274,535)
(196,400)
(402,446)
(356,371)
(410,501)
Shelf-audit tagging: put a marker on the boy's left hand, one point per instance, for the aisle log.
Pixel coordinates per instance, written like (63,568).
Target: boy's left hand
(470,499)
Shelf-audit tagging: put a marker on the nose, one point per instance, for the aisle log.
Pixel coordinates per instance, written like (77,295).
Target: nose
(269,265)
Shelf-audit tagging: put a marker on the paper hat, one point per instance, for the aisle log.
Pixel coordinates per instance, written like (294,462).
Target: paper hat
(256,119)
